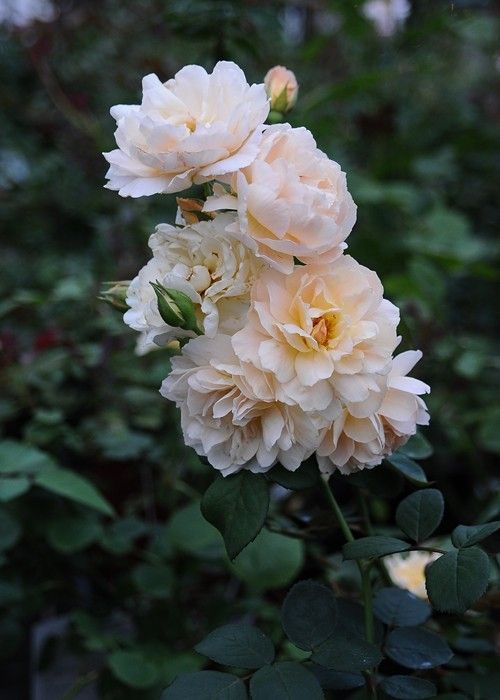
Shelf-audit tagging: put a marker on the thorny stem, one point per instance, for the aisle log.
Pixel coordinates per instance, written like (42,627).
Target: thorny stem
(364,570)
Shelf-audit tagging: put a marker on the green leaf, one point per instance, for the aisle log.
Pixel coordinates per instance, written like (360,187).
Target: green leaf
(189,532)
(457,579)
(19,458)
(417,648)
(351,620)
(408,688)
(154,580)
(237,506)
(335,680)
(399,608)
(12,487)
(238,645)
(285,680)
(73,533)
(420,513)
(133,669)
(381,481)
(74,486)
(468,535)
(408,468)
(309,614)
(305,477)
(270,561)
(10,531)
(206,685)
(375,546)
(347,652)
(417,447)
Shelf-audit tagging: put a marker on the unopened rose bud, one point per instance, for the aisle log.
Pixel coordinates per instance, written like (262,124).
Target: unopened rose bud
(176,308)
(282,87)
(115,294)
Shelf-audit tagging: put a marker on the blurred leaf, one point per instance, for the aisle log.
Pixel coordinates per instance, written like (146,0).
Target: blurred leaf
(468,535)
(335,680)
(11,488)
(270,561)
(189,532)
(73,533)
(19,458)
(10,531)
(74,486)
(417,447)
(154,580)
(238,645)
(133,669)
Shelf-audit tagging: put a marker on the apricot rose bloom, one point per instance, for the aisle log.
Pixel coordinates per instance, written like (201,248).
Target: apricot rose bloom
(351,443)
(322,330)
(191,129)
(229,412)
(292,200)
(212,267)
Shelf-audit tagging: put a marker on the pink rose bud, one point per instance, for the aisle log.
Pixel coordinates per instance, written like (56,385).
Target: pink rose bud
(282,87)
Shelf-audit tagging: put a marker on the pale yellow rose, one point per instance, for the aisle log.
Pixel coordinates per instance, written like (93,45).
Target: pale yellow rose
(407,570)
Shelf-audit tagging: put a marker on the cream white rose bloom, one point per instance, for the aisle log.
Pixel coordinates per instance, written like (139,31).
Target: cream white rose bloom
(292,201)
(193,128)
(351,443)
(322,331)
(205,262)
(407,570)
(229,413)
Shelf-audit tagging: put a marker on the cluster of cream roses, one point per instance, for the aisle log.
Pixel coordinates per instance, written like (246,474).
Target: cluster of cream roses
(291,348)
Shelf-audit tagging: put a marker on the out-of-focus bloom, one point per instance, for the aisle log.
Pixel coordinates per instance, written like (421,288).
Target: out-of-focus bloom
(407,570)
(354,443)
(322,331)
(22,13)
(193,128)
(386,15)
(282,88)
(205,262)
(229,412)
(292,201)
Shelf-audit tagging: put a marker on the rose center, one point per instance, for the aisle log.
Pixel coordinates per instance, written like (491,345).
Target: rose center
(324,328)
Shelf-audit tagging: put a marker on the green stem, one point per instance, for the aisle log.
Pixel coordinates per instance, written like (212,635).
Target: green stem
(364,570)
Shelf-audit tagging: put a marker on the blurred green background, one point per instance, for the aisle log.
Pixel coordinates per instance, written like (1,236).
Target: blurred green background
(412,118)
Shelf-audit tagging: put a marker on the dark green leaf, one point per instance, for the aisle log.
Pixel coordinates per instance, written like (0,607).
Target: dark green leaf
(305,477)
(12,487)
(309,614)
(270,561)
(346,652)
(285,680)
(457,579)
(408,688)
(420,513)
(381,481)
(239,645)
(399,608)
(189,532)
(417,647)
(237,506)
(206,685)
(133,669)
(74,486)
(351,620)
(10,531)
(154,580)
(335,680)
(468,535)
(408,468)
(417,447)
(375,546)
(19,458)
(485,686)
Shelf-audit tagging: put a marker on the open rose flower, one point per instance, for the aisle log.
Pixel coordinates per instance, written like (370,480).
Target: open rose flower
(205,262)
(292,201)
(229,413)
(193,128)
(352,443)
(325,329)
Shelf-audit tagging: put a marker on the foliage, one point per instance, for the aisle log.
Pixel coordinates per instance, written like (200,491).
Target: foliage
(100,502)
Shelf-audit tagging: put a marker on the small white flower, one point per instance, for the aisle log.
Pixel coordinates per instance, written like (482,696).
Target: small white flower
(205,262)
(292,201)
(229,412)
(407,570)
(193,128)
(386,15)
(21,13)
